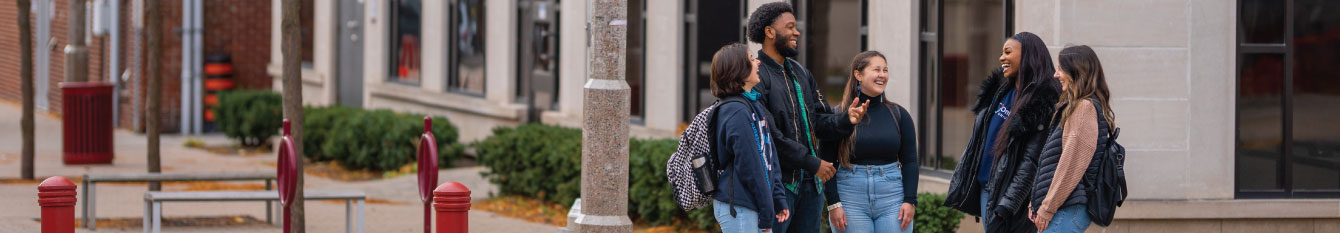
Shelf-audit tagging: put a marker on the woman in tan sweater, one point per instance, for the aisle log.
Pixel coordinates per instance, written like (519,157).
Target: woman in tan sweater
(1080,125)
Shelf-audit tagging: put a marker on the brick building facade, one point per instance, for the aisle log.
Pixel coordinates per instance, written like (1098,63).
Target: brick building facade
(238,28)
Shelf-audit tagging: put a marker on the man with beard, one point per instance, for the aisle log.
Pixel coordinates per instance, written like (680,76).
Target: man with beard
(801,115)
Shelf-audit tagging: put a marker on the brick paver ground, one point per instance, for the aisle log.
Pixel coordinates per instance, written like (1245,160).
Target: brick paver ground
(18,200)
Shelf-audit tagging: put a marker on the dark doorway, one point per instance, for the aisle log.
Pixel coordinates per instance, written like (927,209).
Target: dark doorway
(709,24)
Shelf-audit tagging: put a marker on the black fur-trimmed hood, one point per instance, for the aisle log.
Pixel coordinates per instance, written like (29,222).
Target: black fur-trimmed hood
(1032,116)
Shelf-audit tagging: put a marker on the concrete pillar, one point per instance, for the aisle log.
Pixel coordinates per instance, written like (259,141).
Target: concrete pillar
(605,121)
(76,51)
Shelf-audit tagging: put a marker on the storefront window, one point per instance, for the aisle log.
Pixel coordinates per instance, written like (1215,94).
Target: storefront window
(467,29)
(405,21)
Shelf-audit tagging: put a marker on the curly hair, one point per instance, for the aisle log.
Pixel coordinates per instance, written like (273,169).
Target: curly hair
(764,16)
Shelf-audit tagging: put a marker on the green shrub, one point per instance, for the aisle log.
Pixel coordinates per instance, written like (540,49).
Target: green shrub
(379,139)
(933,216)
(250,116)
(317,124)
(544,162)
(534,160)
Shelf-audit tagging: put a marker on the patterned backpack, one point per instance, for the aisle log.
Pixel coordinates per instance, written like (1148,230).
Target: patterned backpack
(693,168)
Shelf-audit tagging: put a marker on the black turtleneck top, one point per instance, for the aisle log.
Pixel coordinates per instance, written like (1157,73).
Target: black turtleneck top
(879,140)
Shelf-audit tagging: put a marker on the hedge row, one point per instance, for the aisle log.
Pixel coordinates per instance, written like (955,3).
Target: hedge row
(361,139)
(544,162)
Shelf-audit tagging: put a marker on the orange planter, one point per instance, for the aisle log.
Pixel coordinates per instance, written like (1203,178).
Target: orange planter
(218,69)
(218,84)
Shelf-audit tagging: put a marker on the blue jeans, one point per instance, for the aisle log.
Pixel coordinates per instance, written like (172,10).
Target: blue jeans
(745,219)
(1073,218)
(872,197)
(985,197)
(807,207)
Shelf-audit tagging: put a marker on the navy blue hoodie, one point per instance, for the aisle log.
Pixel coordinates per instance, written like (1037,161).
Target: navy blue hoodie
(748,181)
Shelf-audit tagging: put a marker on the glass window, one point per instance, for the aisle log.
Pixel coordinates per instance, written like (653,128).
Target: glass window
(635,71)
(306,19)
(1261,21)
(1287,145)
(833,40)
(405,22)
(467,45)
(1260,114)
(959,45)
(1316,95)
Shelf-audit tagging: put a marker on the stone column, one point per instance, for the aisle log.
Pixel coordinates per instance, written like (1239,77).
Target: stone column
(605,122)
(76,51)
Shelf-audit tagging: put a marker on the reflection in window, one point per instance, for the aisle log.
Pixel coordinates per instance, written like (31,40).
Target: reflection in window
(634,69)
(835,38)
(405,40)
(1316,95)
(1260,118)
(306,18)
(468,47)
(1287,143)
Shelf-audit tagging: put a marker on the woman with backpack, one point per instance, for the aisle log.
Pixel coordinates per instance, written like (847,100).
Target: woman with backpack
(1080,126)
(994,178)
(875,189)
(749,196)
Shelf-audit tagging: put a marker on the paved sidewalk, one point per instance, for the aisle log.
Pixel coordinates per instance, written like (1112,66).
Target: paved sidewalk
(403,214)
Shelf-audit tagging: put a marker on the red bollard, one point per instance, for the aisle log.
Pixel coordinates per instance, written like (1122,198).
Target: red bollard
(56,195)
(452,201)
(427,171)
(287,174)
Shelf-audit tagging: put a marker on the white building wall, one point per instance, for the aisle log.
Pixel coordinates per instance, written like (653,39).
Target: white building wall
(1169,65)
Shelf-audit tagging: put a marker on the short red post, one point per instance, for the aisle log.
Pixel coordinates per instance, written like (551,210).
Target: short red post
(287,174)
(452,202)
(56,195)
(427,171)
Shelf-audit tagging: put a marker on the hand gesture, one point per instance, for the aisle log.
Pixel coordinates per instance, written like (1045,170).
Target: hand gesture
(782,216)
(855,111)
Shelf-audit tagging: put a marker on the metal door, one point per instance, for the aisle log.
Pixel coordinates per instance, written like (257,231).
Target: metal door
(538,54)
(349,70)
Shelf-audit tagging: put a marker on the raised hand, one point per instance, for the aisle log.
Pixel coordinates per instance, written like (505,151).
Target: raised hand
(855,111)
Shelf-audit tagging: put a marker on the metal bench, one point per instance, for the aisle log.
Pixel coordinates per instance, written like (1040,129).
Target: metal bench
(153,203)
(89,206)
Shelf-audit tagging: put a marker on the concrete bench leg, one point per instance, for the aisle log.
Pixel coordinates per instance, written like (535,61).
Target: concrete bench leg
(148,210)
(92,206)
(348,219)
(269,211)
(360,215)
(158,217)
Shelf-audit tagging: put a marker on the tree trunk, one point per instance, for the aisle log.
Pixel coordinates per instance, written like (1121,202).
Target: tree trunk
(292,75)
(26,74)
(153,118)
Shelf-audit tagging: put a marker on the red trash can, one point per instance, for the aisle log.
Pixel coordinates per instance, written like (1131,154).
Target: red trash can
(87,122)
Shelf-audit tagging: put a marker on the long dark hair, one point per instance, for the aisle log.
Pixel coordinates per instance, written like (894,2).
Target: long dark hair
(849,92)
(1087,82)
(1035,70)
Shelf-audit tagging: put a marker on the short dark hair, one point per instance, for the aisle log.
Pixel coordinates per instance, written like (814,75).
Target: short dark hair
(730,68)
(764,16)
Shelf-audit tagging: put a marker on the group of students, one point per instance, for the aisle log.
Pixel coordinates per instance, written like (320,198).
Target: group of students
(793,157)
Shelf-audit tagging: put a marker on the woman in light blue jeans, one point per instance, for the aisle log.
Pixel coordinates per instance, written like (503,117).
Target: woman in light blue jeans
(875,186)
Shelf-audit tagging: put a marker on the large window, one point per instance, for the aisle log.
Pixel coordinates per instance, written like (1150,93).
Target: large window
(958,45)
(405,22)
(635,71)
(1288,145)
(467,47)
(834,32)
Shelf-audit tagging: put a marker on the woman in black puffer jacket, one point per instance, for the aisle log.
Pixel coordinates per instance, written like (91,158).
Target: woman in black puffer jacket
(994,178)
(1079,127)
